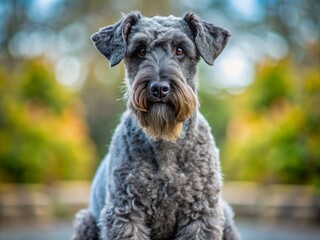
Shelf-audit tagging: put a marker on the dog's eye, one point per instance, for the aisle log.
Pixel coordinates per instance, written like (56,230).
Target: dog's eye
(142,52)
(179,52)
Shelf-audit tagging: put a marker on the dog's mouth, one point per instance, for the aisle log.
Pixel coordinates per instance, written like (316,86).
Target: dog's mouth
(158,101)
(165,105)
(152,102)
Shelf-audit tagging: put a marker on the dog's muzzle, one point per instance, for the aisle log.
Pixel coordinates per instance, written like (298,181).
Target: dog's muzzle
(161,100)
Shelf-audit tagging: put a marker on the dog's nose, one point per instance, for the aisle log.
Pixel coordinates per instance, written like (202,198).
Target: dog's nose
(160,89)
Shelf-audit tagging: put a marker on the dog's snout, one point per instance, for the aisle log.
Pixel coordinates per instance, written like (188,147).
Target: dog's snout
(160,89)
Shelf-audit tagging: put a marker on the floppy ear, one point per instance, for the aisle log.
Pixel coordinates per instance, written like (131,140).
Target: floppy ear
(209,39)
(111,40)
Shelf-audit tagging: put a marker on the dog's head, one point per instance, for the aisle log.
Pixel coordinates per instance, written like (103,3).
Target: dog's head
(161,54)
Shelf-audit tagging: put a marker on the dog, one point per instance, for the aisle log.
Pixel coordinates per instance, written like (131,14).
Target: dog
(161,178)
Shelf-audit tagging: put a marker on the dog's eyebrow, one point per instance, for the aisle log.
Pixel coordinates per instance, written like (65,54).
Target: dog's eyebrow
(138,40)
(176,38)
(187,45)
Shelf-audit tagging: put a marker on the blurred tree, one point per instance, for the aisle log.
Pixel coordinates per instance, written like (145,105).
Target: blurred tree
(274,133)
(297,22)
(104,103)
(61,29)
(217,111)
(43,137)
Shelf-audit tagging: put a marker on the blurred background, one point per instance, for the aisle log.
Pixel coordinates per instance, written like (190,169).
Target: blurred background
(60,101)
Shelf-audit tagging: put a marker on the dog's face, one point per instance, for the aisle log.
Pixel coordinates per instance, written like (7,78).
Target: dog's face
(161,54)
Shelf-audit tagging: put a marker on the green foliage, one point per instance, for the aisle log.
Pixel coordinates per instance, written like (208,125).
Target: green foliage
(274,133)
(216,111)
(274,85)
(104,104)
(42,132)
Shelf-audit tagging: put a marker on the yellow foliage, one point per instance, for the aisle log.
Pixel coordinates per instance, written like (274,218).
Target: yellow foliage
(44,136)
(274,133)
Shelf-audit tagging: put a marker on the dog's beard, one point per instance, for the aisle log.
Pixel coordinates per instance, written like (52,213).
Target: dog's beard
(162,120)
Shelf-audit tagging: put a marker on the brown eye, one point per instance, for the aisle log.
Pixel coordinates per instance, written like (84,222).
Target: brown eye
(179,51)
(142,52)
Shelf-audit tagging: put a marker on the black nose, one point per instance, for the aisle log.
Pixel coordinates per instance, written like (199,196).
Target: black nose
(160,89)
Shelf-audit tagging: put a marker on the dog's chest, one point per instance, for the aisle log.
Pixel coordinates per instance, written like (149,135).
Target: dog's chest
(167,186)
(161,198)
(165,192)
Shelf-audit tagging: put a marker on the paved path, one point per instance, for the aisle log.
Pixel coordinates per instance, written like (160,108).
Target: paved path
(250,230)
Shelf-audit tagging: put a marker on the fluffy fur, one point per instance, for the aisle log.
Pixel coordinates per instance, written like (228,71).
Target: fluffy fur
(161,178)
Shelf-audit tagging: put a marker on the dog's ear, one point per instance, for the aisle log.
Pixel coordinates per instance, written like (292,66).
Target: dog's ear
(111,40)
(209,39)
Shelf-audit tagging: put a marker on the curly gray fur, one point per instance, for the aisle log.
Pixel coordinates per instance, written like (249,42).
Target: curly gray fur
(166,189)
(85,226)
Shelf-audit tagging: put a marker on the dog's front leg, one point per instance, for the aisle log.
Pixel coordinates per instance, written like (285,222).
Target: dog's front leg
(202,228)
(120,223)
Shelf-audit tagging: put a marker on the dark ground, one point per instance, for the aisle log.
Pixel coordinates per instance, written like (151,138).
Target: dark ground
(250,230)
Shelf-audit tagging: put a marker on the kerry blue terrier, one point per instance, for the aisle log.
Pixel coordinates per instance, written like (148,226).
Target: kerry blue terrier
(161,179)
